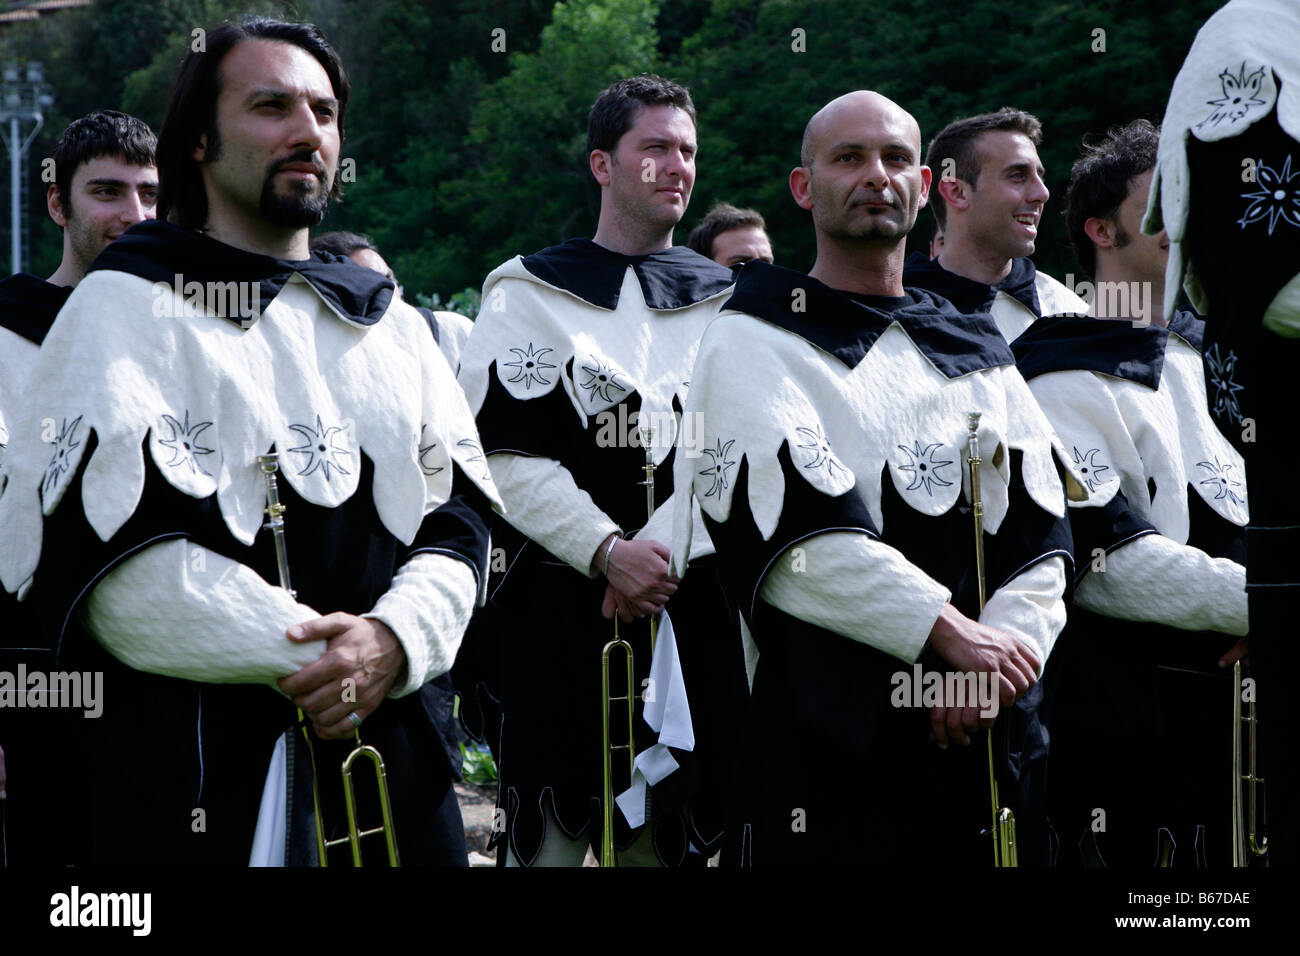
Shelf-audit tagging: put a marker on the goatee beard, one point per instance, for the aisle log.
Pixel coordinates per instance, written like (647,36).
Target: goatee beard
(295,211)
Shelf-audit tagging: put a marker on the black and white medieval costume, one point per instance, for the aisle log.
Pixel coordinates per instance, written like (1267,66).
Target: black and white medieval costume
(1140,710)
(136,528)
(572,348)
(1015,303)
(1227,191)
(835,491)
(450,330)
(32,818)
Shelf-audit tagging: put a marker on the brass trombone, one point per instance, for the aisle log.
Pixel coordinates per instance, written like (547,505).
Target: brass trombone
(608,856)
(274,511)
(1246,841)
(1004,821)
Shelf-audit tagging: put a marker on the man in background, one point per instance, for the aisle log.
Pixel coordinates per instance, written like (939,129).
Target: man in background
(990,202)
(730,236)
(105,182)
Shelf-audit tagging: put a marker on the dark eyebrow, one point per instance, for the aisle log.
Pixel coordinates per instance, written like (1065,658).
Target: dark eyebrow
(274,94)
(1024,168)
(121,183)
(894,147)
(664,141)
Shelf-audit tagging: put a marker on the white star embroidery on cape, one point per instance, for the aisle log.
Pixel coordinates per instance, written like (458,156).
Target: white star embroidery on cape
(475,446)
(1240,93)
(1221,369)
(922,468)
(320,447)
(428,469)
(184,443)
(1089,467)
(63,445)
(820,450)
(1225,486)
(530,366)
(1278,198)
(718,467)
(600,380)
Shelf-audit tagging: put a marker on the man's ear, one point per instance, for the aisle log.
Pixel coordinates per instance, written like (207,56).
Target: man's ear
(1100,231)
(200,151)
(54,204)
(801,186)
(599,163)
(955,192)
(926,178)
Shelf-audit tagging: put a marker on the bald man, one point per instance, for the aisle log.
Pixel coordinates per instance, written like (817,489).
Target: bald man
(839,508)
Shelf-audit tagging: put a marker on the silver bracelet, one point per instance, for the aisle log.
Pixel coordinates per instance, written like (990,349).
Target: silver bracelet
(609,551)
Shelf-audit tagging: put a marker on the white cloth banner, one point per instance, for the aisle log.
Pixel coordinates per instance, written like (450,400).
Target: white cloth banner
(269,837)
(668,713)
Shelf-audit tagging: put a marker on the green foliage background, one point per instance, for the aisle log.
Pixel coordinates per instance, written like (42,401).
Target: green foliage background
(466,155)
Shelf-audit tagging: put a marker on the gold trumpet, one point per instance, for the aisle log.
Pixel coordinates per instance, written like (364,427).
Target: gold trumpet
(1004,821)
(275,509)
(607,853)
(1246,841)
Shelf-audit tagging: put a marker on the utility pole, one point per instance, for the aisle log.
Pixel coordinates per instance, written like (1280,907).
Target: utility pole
(22,101)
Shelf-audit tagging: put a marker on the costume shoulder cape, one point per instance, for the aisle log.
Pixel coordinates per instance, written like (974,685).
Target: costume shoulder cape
(152,356)
(28,306)
(848,392)
(1129,404)
(595,325)
(1027,293)
(1244,62)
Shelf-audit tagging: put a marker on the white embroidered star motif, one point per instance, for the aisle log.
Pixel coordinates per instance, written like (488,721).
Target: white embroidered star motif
(530,366)
(601,377)
(719,464)
(321,448)
(1278,198)
(63,445)
(1220,370)
(429,469)
(922,467)
(472,445)
(184,443)
(1089,467)
(820,450)
(1240,93)
(1221,479)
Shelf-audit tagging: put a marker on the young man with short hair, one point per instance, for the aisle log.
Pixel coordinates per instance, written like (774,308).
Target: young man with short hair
(1141,695)
(991,197)
(730,236)
(105,182)
(574,348)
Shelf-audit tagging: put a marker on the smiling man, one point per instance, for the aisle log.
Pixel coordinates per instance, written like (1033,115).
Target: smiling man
(573,347)
(991,197)
(105,182)
(839,508)
(1147,742)
(137,496)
